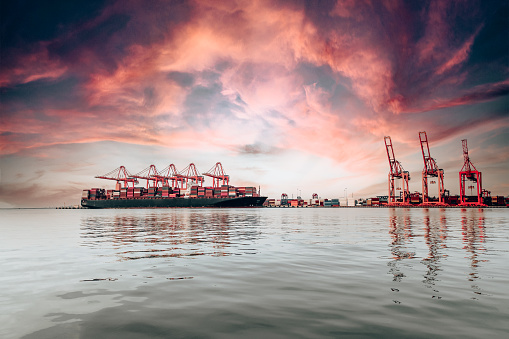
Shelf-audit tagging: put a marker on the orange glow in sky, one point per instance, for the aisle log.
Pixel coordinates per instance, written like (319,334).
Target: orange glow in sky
(287,95)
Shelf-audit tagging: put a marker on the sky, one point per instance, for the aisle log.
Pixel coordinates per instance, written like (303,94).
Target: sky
(290,96)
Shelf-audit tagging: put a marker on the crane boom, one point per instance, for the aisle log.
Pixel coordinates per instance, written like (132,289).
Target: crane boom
(467,164)
(469,172)
(217,174)
(396,172)
(121,175)
(190,173)
(430,169)
(150,174)
(169,173)
(395,166)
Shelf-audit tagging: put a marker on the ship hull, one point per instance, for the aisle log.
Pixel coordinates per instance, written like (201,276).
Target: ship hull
(174,202)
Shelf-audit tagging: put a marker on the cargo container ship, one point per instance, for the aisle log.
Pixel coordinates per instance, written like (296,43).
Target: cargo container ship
(169,188)
(165,197)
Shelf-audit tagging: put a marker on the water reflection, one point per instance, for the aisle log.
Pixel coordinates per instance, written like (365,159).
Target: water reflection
(473,232)
(441,235)
(174,233)
(400,229)
(435,235)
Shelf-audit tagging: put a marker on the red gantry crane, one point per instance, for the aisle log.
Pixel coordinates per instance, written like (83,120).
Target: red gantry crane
(396,172)
(150,174)
(469,172)
(121,175)
(190,173)
(430,170)
(169,173)
(217,174)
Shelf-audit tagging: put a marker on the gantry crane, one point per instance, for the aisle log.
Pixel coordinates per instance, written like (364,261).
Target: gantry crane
(150,174)
(169,173)
(217,174)
(430,170)
(396,172)
(190,173)
(121,175)
(469,172)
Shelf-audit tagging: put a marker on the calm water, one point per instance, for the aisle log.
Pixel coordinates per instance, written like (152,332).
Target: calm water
(254,273)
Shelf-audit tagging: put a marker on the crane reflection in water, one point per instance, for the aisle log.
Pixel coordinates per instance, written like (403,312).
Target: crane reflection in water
(474,236)
(443,232)
(435,235)
(400,229)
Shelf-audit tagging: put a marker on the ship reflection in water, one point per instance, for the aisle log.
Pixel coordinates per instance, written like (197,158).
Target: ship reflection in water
(171,234)
(441,238)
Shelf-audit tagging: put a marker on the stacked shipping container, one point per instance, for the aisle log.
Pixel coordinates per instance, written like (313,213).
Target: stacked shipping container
(151,192)
(165,191)
(331,203)
(94,194)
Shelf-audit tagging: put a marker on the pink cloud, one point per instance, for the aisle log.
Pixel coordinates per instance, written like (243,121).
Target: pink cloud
(263,44)
(459,56)
(244,90)
(34,66)
(436,36)
(478,94)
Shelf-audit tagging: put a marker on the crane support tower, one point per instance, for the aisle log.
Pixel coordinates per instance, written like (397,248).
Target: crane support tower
(150,174)
(169,173)
(121,175)
(217,174)
(430,170)
(190,173)
(470,173)
(396,172)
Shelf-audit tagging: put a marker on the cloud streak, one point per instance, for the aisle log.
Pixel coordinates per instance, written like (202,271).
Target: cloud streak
(253,77)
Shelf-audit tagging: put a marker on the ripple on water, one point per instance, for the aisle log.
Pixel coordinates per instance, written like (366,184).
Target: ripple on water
(255,273)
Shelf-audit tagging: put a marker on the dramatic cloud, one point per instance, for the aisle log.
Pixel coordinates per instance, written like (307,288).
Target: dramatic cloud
(254,80)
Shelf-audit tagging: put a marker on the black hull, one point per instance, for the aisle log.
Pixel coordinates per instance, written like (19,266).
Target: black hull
(174,202)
